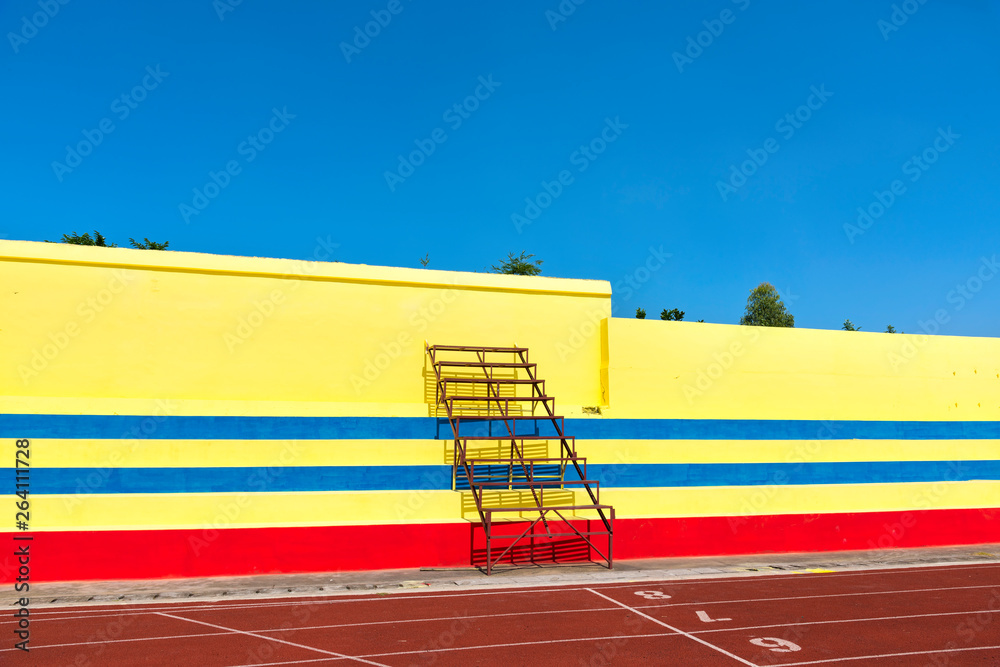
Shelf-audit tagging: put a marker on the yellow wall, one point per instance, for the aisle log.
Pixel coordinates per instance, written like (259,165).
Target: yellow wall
(109,330)
(697,370)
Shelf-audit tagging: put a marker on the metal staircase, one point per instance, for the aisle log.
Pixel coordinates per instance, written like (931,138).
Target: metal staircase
(502,423)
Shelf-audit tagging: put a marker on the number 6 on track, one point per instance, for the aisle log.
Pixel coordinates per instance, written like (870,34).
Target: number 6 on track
(653,595)
(776,645)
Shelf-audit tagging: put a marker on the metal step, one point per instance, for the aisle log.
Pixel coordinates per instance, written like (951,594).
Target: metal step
(463,348)
(500,398)
(484,364)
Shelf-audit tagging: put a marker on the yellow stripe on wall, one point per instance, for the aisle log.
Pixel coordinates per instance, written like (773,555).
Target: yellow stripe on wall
(698,370)
(94,453)
(784,451)
(153,511)
(86,453)
(801,499)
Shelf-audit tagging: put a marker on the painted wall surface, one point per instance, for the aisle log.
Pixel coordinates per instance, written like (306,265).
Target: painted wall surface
(195,415)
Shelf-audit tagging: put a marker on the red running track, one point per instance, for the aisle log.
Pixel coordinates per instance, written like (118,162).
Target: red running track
(934,617)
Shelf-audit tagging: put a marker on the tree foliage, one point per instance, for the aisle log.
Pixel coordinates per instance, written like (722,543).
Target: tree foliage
(86,239)
(640,314)
(672,315)
(520,265)
(98,240)
(146,244)
(850,326)
(766,309)
(891,329)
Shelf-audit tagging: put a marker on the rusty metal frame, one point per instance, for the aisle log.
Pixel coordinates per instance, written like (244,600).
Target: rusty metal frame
(525,479)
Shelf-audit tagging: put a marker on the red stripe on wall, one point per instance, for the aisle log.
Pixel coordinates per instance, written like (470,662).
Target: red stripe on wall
(788,533)
(105,555)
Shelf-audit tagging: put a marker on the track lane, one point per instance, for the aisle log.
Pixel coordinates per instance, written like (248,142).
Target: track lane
(900,617)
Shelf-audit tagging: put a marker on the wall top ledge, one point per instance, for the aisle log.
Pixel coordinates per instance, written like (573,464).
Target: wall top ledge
(292,269)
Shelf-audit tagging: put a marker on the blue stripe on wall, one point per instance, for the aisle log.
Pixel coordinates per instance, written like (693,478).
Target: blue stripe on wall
(406,428)
(778,474)
(777,429)
(392,478)
(233,480)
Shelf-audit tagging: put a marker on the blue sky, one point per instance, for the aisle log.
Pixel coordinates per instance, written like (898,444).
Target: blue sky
(649,131)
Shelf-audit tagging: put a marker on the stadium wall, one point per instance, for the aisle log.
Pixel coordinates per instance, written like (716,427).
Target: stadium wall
(198,415)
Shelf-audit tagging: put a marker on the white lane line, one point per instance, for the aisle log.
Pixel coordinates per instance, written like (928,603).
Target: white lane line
(378,595)
(439,618)
(335,625)
(711,577)
(118,641)
(534,643)
(560,611)
(846,620)
(272,639)
(289,662)
(484,646)
(225,607)
(371,597)
(241,603)
(892,655)
(412,620)
(816,597)
(670,627)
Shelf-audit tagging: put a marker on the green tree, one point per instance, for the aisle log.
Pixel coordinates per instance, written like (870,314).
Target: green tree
(146,244)
(849,326)
(425,260)
(520,265)
(766,309)
(891,329)
(672,314)
(98,240)
(85,239)
(640,314)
